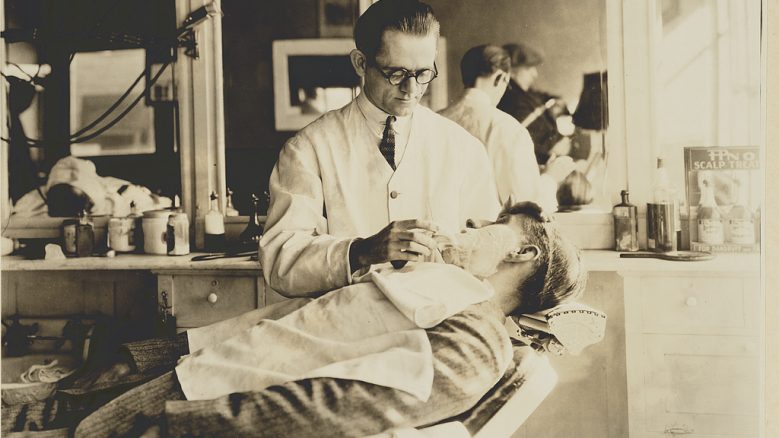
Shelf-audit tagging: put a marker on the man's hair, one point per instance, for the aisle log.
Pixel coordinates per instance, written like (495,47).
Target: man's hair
(408,16)
(559,275)
(483,61)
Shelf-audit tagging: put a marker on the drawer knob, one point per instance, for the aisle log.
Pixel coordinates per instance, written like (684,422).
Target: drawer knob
(212,298)
(691,302)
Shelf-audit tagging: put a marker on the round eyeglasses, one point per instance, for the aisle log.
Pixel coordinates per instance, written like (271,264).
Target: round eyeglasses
(397,76)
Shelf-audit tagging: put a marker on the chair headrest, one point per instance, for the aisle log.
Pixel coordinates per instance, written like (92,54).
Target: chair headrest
(567,328)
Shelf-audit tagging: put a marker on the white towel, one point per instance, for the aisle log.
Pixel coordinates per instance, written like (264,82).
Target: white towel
(428,293)
(354,333)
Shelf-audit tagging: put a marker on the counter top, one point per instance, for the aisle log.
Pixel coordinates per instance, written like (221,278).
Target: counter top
(609,261)
(595,260)
(123,262)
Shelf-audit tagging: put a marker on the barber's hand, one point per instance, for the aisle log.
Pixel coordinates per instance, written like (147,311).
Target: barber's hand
(400,241)
(559,167)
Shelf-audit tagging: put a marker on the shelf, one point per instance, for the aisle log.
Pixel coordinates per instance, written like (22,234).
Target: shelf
(124,262)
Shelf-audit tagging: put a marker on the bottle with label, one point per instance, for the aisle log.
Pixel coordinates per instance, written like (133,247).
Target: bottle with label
(741,228)
(229,209)
(710,228)
(215,227)
(85,235)
(664,193)
(625,224)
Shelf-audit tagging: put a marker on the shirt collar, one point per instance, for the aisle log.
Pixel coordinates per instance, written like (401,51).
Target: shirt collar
(376,117)
(477,96)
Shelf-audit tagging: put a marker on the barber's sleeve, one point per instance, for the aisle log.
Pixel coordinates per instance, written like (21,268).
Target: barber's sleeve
(514,162)
(478,192)
(299,258)
(471,351)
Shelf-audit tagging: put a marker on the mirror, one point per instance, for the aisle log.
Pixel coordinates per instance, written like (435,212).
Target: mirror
(571,35)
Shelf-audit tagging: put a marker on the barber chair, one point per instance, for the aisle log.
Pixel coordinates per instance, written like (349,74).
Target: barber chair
(528,380)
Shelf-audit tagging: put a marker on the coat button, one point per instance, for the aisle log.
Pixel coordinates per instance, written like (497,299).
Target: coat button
(393,194)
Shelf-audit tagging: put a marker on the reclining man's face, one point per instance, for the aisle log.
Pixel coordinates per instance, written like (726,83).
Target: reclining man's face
(480,251)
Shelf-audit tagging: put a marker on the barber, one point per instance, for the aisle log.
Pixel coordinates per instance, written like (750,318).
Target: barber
(370,182)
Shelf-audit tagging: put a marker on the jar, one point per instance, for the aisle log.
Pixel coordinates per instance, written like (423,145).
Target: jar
(178,234)
(155,227)
(69,236)
(120,231)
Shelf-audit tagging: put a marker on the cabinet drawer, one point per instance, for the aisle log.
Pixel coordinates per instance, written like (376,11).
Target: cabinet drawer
(199,300)
(699,305)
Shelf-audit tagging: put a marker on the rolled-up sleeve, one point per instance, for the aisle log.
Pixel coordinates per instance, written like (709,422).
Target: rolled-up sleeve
(471,351)
(299,257)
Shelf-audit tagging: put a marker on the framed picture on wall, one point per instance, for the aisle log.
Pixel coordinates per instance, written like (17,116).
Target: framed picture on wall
(337,17)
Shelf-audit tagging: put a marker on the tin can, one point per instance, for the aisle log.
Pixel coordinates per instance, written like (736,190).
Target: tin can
(178,234)
(69,236)
(120,234)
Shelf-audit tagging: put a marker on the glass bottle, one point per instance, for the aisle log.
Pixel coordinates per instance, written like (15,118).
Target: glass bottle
(230,210)
(85,235)
(253,231)
(710,228)
(214,227)
(741,228)
(625,224)
(135,236)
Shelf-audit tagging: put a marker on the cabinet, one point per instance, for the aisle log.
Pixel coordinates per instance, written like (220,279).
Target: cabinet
(692,353)
(201,297)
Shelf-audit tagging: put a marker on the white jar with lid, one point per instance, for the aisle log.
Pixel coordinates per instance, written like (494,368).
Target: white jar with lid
(155,227)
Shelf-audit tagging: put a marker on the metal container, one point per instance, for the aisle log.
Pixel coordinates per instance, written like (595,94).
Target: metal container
(178,234)
(661,227)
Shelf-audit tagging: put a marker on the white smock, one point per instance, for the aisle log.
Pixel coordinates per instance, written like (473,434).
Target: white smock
(371,332)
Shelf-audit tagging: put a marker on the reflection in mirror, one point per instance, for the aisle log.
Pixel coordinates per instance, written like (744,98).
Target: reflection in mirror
(318,84)
(558,86)
(99,79)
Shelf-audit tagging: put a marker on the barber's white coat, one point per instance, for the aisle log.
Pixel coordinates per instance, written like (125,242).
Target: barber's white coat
(331,184)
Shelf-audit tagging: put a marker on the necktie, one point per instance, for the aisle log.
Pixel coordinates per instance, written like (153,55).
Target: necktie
(387,145)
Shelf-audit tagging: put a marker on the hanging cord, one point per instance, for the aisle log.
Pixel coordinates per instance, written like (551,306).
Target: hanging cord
(129,108)
(75,136)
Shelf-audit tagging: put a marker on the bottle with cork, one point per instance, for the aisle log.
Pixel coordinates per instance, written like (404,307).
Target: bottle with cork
(214,227)
(625,224)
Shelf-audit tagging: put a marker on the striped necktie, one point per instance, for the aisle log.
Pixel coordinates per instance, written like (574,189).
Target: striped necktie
(387,145)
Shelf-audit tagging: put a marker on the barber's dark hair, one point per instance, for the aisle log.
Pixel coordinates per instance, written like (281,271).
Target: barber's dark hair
(483,61)
(408,16)
(559,275)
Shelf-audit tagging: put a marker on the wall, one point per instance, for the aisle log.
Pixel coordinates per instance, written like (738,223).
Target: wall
(572,35)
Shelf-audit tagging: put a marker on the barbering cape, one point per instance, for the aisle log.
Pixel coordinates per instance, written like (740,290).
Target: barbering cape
(371,332)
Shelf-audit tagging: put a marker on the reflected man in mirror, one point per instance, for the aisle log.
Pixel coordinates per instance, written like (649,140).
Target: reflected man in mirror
(485,72)
(74,186)
(370,182)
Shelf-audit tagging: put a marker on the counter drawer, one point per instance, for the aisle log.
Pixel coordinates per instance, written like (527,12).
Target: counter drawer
(199,300)
(699,305)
